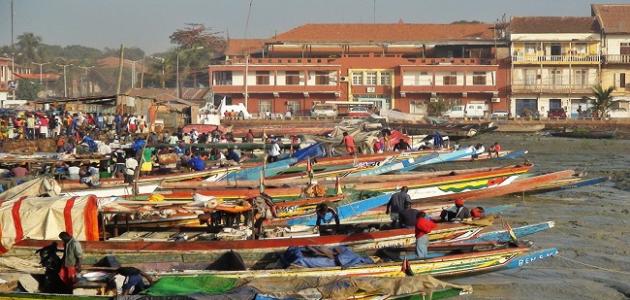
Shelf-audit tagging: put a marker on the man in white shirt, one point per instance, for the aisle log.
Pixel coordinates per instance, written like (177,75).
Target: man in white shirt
(130,172)
(274,151)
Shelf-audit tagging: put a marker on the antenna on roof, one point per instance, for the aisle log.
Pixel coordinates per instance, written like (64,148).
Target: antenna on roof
(374,11)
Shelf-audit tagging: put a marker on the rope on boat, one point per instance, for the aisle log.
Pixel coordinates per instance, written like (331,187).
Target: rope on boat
(592,266)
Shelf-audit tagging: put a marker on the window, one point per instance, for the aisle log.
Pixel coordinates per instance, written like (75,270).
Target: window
(479,78)
(292,78)
(580,48)
(223,78)
(581,78)
(624,48)
(530,48)
(556,49)
(357,78)
(370,78)
(264,106)
(450,79)
(293,106)
(322,78)
(386,78)
(556,77)
(262,77)
(530,76)
(622,80)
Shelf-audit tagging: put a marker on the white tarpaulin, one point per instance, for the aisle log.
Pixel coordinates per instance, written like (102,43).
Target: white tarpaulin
(43,218)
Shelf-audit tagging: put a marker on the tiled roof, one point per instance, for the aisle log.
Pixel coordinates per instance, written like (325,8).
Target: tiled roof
(553,25)
(35,76)
(614,18)
(168,94)
(241,46)
(394,32)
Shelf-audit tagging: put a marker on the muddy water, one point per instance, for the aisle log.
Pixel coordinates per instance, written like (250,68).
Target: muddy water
(592,224)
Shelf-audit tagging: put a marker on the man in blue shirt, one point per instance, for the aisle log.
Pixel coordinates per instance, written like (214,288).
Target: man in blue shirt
(197,163)
(232,155)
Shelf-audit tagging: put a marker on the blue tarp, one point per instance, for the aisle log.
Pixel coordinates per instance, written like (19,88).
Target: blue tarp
(312,151)
(307,257)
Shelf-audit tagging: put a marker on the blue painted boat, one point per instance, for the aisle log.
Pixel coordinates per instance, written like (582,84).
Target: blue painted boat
(530,257)
(440,158)
(345,211)
(271,169)
(519,232)
(514,154)
(394,166)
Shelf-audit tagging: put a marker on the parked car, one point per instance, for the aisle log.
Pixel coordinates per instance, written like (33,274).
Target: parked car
(324,110)
(557,113)
(359,112)
(499,114)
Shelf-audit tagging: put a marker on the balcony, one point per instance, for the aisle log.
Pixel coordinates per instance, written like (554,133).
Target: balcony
(552,88)
(448,89)
(617,59)
(556,59)
(276,89)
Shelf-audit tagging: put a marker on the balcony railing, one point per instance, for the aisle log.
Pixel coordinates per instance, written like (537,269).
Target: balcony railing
(556,58)
(552,88)
(617,58)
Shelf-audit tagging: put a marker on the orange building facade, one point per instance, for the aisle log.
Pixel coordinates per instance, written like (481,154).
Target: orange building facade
(395,66)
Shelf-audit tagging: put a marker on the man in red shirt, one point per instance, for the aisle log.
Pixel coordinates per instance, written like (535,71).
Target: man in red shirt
(423,228)
(349,142)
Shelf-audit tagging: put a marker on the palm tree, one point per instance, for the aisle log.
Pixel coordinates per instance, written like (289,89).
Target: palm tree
(602,100)
(28,44)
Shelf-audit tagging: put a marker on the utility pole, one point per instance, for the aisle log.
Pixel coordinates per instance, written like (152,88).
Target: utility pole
(88,90)
(249,12)
(142,73)
(163,62)
(374,11)
(12,48)
(120,69)
(41,65)
(65,83)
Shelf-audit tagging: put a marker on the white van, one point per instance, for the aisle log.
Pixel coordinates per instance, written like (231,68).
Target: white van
(470,110)
(324,110)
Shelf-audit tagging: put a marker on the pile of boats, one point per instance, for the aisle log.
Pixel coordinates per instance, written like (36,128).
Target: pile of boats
(194,231)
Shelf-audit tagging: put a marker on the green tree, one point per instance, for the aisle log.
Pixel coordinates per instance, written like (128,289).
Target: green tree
(194,61)
(28,45)
(602,100)
(27,89)
(437,108)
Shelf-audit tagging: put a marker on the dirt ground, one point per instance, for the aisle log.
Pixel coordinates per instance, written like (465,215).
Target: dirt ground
(592,230)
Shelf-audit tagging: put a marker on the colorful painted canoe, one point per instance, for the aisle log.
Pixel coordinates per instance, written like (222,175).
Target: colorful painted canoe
(258,253)
(450,265)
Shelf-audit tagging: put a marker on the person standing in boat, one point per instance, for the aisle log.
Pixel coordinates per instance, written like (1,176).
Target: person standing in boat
(424,226)
(397,204)
(438,140)
(408,217)
(72,255)
(274,151)
(322,210)
(494,149)
(348,140)
(455,213)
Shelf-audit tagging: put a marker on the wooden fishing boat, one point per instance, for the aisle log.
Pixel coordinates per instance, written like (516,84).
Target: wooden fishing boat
(252,251)
(450,265)
(585,134)
(418,187)
(520,127)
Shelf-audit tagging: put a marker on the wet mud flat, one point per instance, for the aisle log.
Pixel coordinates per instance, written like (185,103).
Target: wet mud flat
(592,230)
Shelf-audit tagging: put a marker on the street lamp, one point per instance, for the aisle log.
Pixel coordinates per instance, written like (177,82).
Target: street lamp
(65,86)
(41,65)
(86,69)
(162,61)
(177,66)
(133,72)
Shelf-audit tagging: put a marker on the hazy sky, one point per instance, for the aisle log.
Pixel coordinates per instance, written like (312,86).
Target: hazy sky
(148,23)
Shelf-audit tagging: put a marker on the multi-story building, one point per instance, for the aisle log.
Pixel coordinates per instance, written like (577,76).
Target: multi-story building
(7,76)
(615,36)
(400,66)
(555,63)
